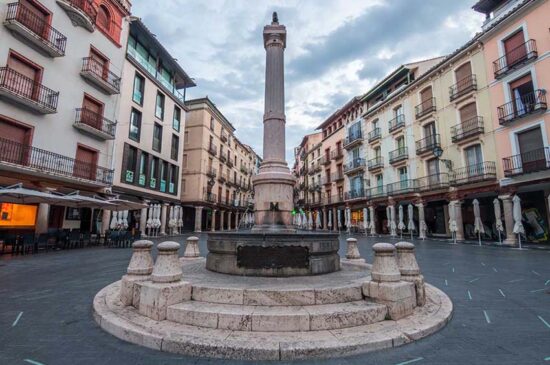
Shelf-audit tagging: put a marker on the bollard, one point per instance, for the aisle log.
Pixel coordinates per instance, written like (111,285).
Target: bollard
(192,248)
(384,267)
(139,269)
(353,250)
(167,268)
(410,271)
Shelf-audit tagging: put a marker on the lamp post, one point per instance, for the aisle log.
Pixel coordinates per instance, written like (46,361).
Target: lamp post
(438,152)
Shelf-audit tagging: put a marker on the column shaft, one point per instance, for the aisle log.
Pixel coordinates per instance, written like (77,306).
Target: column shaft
(163,213)
(508,207)
(198,219)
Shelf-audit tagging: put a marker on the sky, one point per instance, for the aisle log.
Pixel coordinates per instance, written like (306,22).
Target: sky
(336,49)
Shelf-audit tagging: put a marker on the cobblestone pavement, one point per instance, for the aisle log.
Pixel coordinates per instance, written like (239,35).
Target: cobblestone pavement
(501,309)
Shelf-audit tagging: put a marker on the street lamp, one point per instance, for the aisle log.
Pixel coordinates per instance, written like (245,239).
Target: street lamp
(438,152)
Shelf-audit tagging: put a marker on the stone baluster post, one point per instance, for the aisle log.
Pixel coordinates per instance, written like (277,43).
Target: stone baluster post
(198,219)
(410,271)
(458,216)
(352,253)
(139,269)
(421,221)
(192,248)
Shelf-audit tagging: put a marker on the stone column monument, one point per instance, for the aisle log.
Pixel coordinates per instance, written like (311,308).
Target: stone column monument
(273,185)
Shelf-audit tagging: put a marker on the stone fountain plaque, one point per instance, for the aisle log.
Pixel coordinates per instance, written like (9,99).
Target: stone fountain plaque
(272,257)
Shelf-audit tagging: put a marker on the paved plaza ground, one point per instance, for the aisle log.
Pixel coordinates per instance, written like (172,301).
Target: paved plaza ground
(501,310)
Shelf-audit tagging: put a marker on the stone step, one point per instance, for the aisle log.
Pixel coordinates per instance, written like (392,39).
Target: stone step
(277,318)
(298,296)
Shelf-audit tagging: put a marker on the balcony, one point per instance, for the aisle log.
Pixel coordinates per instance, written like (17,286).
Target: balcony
(28,92)
(353,139)
(222,178)
(528,162)
(98,74)
(355,194)
(210,197)
(525,105)
(230,163)
(337,154)
(483,171)
(357,164)
(326,180)
(402,187)
(376,163)
(463,87)
(95,124)
(515,59)
(396,123)
(337,177)
(223,156)
(21,158)
(433,182)
(333,199)
(376,192)
(398,155)
(81,12)
(325,160)
(244,170)
(213,149)
(314,187)
(375,135)
(427,144)
(45,38)
(315,168)
(425,108)
(223,137)
(211,172)
(469,128)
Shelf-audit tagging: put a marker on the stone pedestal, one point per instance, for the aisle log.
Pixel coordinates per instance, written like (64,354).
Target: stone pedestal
(192,248)
(167,268)
(139,269)
(352,253)
(410,271)
(163,214)
(384,267)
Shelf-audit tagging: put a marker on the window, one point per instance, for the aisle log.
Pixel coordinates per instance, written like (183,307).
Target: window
(462,73)
(139,89)
(159,109)
(173,186)
(153,173)
(380,183)
(157,137)
(183,186)
(92,112)
(184,162)
(176,122)
(186,138)
(522,91)
(468,112)
(103,18)
(85,163)
(163,175)
(175,147)
(532,151)
(398,111)
(99,64)
(403,176)
(515,48)
(135,125)
(473,155)
(426,95)
(143,160)
(27,74)
(130,154)
(211,123)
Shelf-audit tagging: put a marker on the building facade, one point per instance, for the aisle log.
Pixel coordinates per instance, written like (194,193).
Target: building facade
(59,135)
(217,168)
(308,192)
(149,137)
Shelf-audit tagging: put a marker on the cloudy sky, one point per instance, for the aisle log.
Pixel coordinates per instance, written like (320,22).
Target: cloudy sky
(336,50)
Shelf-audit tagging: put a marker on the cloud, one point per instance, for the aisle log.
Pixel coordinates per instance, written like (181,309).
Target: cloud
(336,50)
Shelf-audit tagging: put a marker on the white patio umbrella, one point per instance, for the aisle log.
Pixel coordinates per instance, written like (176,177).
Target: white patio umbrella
(410,213)
(304,220)
(179,218)
(478,224)
(298,220)
(452,220)
(149,223)
(401,225)
(388,217)
(19,195)
(318,220)
(372,225)
(498,222)
(365,220)
(393,225)
(310,221)
(339,213)
(114,220)
(348,219)
(329,224)
(125,219)
(518,225)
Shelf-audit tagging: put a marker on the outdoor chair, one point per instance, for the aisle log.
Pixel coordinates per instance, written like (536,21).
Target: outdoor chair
(86,240)
(27,244)
(42,242)
(74,239)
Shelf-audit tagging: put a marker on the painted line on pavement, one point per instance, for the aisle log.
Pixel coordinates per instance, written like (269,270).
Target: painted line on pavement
(447,263)
(502,293)
(495,269)
(547,358)
(547,282)
(469,295)
(33,362)
(487,317)
(515,281)
(482,264)
(410,361)
(543,321)
(446,282)
(536,273)
(17,319)
(536,291)
(473,280)
(453,269)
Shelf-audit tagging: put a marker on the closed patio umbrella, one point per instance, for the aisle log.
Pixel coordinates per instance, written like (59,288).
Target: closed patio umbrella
(298,220)
(329,224)
(365,220)
(304,220)
(498,222)
(125,219)
(452,220)
(410,213)
(179,217)
(310,221)
(393,225)
(518,225)
(339,212)
(388,217)
(149,223)
(318,220)
(348,219)
(372,225)
(114,220)
(401,225)
(478,224)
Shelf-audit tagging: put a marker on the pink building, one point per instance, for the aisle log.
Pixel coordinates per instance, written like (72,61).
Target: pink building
(517,51)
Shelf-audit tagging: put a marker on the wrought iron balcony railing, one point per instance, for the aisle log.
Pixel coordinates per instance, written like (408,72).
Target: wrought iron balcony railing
(463,87)
(212,149)
(42,34)
(356,164)
(475,173)
(376,163)
(515,58)
(528,162)
(325,160)
(399,154)
(337,154)
(375,134)
(425,108)
(99,73)
(353,138)
(96,121)
(396,123)
(22,89)
(355,194)
(230,163)
(377,192)
(223,136)
(427,144)
(433,182)
(52,163)
(333,199)
(211,172)
(523,106)
(402,187)
(337,176)
(210,197)
(223,156)
(467,129)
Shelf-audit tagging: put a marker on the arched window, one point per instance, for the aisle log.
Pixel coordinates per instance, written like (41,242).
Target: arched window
(104,17)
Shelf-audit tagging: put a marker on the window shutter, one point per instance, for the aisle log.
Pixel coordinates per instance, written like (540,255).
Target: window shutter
(463,71)
(468,112)
(124,165)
